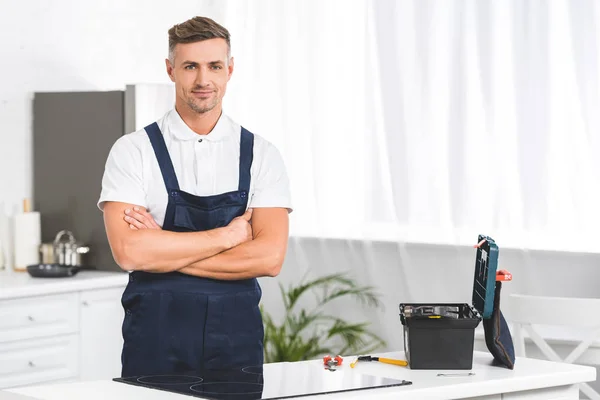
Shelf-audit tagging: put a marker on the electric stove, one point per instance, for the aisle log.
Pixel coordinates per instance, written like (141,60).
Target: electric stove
(271,381)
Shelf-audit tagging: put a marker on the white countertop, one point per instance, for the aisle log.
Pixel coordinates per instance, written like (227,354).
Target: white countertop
(21,284)
(529,374)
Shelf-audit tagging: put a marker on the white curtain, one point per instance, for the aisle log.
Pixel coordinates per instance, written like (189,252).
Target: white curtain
(427,121)
(490,111)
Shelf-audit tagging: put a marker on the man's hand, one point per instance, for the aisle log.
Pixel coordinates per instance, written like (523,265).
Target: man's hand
(139,218)
(239,229)
(261,256)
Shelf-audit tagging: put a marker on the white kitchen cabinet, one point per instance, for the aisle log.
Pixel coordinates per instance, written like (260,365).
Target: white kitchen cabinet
(57,329)
(101,316)
(38,316)
(26,362)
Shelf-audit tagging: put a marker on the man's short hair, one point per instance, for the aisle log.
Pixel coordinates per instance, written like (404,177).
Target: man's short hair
(197,29)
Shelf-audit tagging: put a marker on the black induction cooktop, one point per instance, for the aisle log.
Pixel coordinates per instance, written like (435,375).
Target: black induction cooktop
(273,381)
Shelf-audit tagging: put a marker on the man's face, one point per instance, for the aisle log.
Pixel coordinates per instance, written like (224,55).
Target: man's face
(200,71)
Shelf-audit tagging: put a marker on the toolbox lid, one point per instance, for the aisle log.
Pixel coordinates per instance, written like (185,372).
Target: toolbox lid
(484,281)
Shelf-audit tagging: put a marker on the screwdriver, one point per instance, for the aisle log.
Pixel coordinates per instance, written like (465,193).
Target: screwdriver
(401,363)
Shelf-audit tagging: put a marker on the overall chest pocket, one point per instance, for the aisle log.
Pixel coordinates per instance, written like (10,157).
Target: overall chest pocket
(189,218)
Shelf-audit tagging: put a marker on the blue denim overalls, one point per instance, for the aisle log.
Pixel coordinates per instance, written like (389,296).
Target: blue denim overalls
(181,324)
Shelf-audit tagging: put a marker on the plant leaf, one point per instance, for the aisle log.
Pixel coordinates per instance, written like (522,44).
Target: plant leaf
(363,294)
(294,293)
(284,297)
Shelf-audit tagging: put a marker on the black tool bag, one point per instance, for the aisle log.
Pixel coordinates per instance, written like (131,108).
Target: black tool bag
(497,335)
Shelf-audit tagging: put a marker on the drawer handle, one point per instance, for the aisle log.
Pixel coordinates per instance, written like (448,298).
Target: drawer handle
(31,364)
(29,317)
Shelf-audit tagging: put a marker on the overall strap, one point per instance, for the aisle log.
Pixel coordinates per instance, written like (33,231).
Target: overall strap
(162,155)
(246,156)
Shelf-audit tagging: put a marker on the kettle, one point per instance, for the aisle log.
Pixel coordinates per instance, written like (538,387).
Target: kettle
(63,252)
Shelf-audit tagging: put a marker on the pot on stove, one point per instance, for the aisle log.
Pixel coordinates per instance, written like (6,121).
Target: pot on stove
(64,250)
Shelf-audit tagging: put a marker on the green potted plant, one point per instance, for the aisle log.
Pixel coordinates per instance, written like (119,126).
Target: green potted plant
(311,333)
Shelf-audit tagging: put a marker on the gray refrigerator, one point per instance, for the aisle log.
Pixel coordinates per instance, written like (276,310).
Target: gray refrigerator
(73,133)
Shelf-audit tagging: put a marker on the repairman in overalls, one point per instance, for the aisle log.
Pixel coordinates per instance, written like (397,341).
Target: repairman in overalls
(196,208)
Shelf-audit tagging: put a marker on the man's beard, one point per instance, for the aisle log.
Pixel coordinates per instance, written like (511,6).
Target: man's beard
(201,109)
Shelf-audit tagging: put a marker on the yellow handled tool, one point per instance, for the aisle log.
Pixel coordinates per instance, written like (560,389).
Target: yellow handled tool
(401,363)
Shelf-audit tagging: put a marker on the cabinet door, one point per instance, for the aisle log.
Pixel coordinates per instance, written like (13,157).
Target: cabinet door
(101,338)
(40,316)
(33,361)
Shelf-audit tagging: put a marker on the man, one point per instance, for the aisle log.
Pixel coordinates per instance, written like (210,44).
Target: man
(177,199)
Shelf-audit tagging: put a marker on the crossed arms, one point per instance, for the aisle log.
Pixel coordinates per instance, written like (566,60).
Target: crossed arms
(237,251)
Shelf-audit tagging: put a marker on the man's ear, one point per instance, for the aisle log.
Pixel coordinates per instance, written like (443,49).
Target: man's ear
(230,67)
(169,69)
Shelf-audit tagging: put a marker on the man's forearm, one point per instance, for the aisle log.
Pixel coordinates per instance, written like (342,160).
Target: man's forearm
(155,250)
(251,259)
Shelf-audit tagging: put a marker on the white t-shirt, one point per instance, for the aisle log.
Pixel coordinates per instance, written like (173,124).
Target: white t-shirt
(204,164)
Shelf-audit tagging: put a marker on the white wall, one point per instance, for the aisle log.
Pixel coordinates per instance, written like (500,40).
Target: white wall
(70,45)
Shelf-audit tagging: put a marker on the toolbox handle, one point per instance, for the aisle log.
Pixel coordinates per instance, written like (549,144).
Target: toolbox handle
(503,276)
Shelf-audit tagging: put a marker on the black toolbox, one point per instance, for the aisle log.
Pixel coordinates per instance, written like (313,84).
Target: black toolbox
(442,336)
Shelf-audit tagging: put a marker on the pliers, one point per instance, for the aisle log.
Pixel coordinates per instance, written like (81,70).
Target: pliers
(332,363)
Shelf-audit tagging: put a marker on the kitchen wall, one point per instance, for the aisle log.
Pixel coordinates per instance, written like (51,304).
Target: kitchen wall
(71,45)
